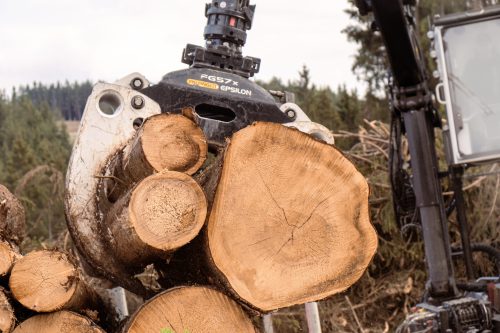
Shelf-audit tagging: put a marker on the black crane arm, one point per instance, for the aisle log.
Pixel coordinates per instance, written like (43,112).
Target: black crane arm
(411,100)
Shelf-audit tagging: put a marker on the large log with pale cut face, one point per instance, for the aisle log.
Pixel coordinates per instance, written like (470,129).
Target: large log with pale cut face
(290,221)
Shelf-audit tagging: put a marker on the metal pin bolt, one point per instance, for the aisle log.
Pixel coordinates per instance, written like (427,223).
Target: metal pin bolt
(137,83)
(291,114)
(137,123)
(138,102)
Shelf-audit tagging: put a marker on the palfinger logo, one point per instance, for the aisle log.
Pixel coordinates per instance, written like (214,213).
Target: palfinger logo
(203,84)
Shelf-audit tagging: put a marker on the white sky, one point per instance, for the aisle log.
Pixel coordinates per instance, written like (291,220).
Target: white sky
(51,40)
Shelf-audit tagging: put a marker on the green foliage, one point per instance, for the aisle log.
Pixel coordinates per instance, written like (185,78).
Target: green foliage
(370,61)
(338,110)
(69,99)
(35,149)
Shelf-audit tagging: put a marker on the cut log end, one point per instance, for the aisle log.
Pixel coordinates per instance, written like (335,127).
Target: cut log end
(169,142)
(290,222)
(165,142)
(190,309)
(7,258)
(46,281)
(7,318)
(168,210)
(58,322)
(163,213)
(175,143)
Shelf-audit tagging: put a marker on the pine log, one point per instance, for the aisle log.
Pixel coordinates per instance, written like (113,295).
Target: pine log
(164,142)
(46,281)
(190,310)
(8,255)
(7,318)
(58,322)
(290,221)
(163,213)
(12,217)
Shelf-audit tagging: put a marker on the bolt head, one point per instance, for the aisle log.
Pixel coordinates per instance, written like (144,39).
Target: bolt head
(137,83)
(291,114)
(138,102)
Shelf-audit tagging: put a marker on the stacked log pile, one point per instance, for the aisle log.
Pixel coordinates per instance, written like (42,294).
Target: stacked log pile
(39,286)
(272,219)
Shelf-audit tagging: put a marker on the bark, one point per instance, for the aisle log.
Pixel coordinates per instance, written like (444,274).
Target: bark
(190,309)
(12,217)
(290,221)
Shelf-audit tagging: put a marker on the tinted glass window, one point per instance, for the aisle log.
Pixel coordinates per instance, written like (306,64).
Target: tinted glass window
(473,64)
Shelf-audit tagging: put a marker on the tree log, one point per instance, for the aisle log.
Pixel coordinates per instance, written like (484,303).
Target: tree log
(163,213)
(7,318)
(58,322)
(164,142)
(12,217)
(290,221)
(46,281)
(190,310)
(8,255)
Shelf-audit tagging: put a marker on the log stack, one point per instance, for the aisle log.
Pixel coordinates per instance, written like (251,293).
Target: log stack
(273,219)
(281,217)
(40,282)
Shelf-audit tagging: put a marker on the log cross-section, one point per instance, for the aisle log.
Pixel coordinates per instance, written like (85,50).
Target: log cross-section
(7,318)
(190,310)
(46,281)
(8,255)
(163,213)
(290,221)
(58,322)
(165,142)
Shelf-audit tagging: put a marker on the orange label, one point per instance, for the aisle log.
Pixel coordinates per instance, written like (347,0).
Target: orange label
(203,84)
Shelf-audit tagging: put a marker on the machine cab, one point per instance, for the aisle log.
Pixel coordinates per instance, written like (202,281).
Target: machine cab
(467,48)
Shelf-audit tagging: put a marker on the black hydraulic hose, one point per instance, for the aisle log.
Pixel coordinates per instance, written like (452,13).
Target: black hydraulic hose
(493,253)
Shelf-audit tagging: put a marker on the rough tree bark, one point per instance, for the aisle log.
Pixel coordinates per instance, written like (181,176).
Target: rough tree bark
(290,221)
(190,310)
(164,142)
(12,217)
(58,322)
(46,281)
(163,213)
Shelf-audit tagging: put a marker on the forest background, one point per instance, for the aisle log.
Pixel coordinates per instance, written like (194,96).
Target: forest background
(38,122)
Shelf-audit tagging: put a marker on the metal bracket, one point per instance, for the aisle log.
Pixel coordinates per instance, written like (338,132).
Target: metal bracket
(107,125)
(412,98)
(304,124)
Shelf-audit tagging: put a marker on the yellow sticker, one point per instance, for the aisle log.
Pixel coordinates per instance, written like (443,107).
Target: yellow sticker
(203,84)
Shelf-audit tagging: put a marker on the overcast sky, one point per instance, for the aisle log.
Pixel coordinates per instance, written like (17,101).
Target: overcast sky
(51,40)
